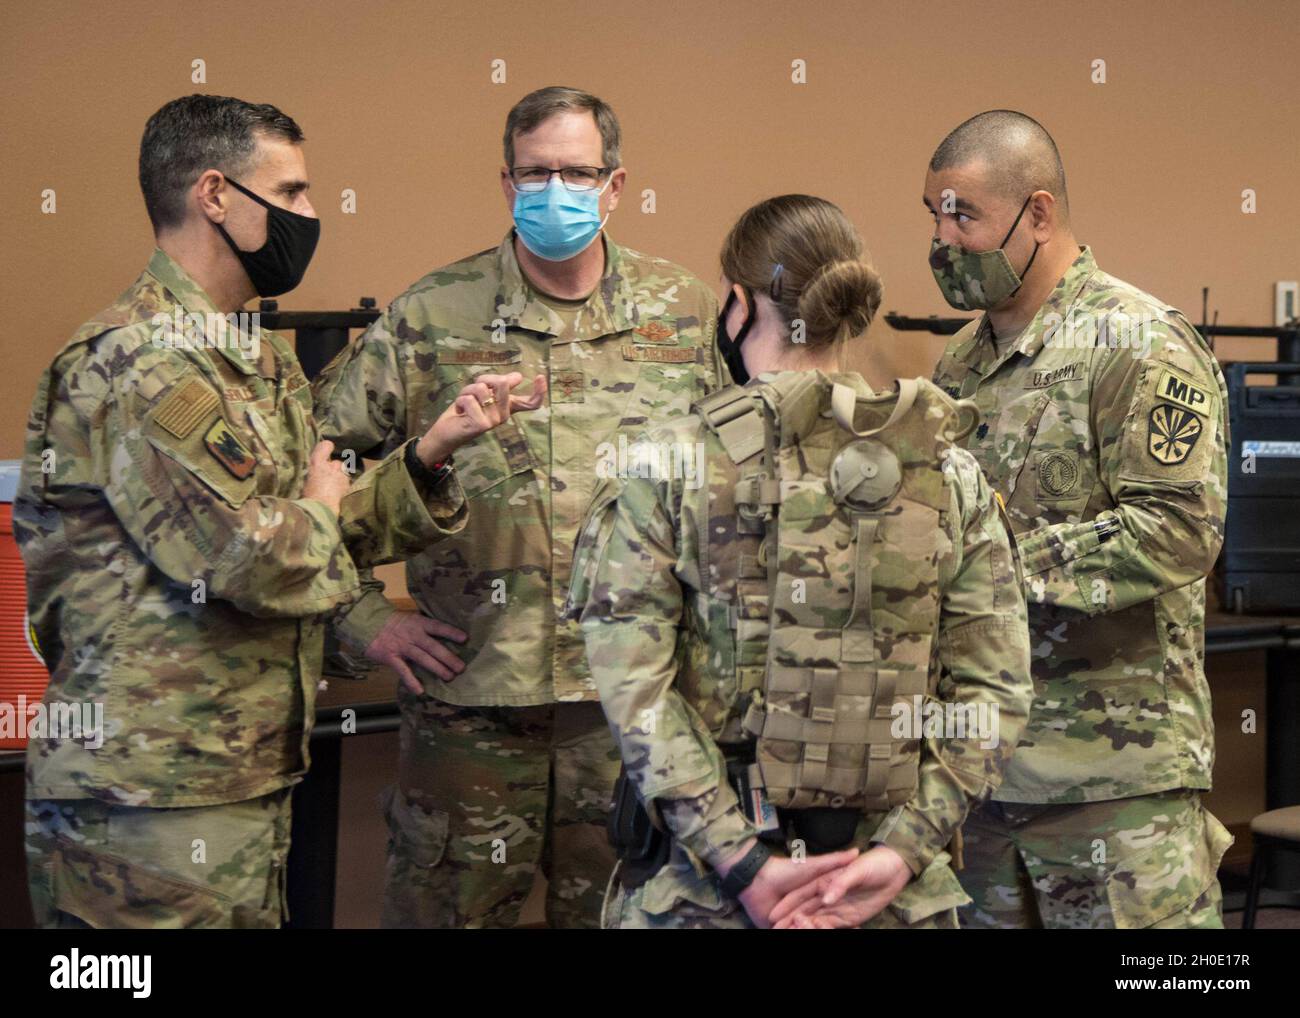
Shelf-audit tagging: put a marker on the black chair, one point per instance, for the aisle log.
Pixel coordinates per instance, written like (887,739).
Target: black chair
(1278,830)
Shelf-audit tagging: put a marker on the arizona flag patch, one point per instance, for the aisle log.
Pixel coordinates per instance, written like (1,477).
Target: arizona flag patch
(224,444)
(1172,433)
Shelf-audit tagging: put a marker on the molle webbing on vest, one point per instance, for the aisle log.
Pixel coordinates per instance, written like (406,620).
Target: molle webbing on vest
(823,668)
(734,416)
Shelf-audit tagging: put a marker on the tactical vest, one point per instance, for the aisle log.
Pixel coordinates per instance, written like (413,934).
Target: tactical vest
(834,596)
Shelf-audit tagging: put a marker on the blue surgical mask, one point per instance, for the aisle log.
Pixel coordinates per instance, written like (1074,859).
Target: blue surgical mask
(556,223)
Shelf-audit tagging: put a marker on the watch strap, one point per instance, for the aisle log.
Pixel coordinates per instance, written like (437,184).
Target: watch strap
(743,873)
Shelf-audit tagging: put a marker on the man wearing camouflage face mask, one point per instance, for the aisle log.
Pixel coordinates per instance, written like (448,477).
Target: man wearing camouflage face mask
(978,279)
(1104,433)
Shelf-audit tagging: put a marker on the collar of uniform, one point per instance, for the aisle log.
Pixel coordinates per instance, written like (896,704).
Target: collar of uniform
(805,397)
(1059,301)
(190,296)
(874,407)
(853,380)
(980,353)
(607,311)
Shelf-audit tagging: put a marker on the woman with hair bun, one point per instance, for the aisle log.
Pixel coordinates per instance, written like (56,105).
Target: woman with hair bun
(802,612)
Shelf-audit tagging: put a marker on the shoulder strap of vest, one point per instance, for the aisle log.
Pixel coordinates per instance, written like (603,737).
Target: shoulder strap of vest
(745,428)
(844,402)
(731,414)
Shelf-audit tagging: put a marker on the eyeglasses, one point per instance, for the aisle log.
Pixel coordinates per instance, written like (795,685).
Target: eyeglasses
(575,178)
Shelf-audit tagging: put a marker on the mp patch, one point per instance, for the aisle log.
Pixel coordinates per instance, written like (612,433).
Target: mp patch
(224,444)
(1182,391)
(1172,433)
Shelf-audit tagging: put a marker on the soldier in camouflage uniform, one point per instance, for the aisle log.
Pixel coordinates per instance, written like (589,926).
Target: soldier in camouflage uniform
(682,618)
(506,764)
(183,534)
(1105,435)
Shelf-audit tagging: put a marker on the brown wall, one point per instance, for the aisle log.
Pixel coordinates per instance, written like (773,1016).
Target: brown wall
(397,103)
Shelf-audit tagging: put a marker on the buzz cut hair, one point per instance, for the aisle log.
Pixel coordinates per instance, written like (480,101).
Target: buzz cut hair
(197,133)
(1021,156)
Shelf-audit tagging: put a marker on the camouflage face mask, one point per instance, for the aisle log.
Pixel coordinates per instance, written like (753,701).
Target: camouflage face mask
(977,279)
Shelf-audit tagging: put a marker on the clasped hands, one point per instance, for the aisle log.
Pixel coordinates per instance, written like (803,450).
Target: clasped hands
(835,890)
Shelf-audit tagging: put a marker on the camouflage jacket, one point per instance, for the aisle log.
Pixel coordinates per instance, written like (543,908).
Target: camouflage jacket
(1105,434)
(664,656)
(173,572)
(640,349)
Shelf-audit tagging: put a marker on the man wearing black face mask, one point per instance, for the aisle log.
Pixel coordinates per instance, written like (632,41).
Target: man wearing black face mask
(183,533)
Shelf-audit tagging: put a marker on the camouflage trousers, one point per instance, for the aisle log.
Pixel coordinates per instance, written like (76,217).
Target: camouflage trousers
(95,864)
(485,797)
(678,898)
(1149,861)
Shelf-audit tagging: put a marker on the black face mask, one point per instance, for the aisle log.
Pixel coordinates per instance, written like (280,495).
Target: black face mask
(730,348)
(278,265)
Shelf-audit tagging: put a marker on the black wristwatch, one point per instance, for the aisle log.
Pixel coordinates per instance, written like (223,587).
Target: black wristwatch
(743,873)
(421,474)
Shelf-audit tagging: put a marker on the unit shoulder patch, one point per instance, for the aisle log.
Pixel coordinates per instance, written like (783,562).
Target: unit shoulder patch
(1177,388)
(1172,432)
(224,444)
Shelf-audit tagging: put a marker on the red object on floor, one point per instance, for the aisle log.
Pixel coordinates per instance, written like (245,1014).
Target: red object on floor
(22,672)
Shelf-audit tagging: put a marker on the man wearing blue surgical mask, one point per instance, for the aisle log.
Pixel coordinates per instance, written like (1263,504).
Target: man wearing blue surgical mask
(507,765)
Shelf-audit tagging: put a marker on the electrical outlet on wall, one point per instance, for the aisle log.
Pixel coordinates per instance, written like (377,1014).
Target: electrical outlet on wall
(1286,302)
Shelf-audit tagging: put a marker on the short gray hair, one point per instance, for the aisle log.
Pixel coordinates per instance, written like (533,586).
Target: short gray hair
(537,106)
(197,133)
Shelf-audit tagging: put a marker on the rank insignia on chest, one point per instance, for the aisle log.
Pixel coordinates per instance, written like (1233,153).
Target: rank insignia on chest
(567,387)
(224,444)
(656,332)
(1172,433)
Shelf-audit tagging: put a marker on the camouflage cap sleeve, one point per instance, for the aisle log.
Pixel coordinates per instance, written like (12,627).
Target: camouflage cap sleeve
(983,649)
(1161,433)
